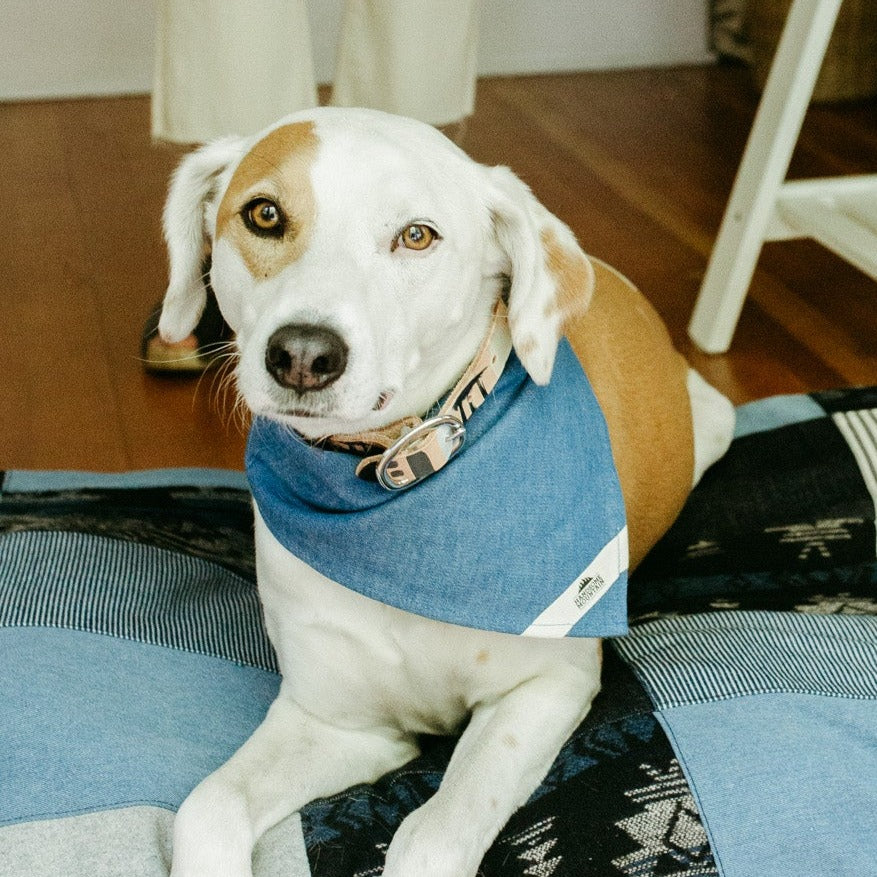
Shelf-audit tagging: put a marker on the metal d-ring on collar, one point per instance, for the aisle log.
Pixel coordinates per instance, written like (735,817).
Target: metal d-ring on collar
(391,472)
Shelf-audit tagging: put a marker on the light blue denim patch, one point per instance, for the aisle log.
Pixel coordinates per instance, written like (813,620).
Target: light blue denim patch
(775,412)
(90,722)
(786,784)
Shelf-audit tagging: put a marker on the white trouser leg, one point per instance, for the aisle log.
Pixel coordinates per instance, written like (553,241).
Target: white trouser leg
(408,58)
(229,67)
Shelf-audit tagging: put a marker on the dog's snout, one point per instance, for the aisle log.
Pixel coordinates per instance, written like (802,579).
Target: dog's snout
(304,358)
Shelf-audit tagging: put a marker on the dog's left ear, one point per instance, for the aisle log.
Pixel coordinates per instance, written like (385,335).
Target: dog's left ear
(187,236)
(551,278)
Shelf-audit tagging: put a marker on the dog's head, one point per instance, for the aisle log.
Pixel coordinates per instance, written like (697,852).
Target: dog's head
(357,256)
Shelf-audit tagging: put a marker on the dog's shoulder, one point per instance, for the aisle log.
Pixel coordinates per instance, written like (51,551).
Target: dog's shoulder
(639,379)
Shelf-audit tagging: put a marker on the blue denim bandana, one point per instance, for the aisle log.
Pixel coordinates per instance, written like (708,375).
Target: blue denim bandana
(522,532)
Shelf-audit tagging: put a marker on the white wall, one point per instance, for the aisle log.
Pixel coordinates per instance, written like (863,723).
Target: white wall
(60,48)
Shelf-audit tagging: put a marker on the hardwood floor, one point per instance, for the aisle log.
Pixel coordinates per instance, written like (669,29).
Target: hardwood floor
(639,163)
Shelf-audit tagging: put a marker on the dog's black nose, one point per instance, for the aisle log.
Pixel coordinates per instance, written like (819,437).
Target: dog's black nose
(303,358)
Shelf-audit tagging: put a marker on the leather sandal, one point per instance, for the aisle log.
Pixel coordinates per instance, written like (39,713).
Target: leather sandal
(190,356)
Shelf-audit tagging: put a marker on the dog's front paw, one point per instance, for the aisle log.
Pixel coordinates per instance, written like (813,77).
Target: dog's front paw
(426,846)
(208,840)
(209,860)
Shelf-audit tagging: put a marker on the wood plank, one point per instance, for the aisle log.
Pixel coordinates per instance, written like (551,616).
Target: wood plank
(56,390)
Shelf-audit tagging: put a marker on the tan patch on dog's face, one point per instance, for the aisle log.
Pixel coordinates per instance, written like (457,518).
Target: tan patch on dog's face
(276,169)
(572,273)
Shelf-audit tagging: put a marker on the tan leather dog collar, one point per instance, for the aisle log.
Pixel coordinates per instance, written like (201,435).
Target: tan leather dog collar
(413,448)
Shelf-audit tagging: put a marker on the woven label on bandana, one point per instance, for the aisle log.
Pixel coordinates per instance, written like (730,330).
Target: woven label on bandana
(522,532)
(564,613)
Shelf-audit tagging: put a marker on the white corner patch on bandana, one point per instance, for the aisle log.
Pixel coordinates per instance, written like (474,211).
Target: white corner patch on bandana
(567,610)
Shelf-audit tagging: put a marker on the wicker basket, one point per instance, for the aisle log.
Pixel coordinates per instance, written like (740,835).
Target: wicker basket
(849,71)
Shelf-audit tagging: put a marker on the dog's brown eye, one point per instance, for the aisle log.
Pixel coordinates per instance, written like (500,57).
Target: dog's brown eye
(416,237)
(264,217)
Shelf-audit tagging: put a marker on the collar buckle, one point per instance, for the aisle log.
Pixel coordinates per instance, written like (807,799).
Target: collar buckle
(420,452)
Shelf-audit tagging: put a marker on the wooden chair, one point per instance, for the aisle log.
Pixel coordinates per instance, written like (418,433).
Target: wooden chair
(840,212)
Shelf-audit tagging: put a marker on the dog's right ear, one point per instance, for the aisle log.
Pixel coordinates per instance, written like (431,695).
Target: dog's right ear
(188,239)
(551,278)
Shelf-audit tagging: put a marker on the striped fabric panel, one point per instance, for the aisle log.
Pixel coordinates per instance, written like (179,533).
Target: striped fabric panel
(131,591)
(859,428)
(715,656)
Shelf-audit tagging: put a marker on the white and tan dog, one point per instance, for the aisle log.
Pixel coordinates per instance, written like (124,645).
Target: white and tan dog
(358,258)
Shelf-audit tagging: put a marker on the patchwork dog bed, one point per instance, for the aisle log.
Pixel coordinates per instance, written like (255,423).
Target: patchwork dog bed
(736,732)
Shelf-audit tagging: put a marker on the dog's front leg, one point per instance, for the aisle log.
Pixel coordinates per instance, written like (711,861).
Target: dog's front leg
(291,758)
(503,755)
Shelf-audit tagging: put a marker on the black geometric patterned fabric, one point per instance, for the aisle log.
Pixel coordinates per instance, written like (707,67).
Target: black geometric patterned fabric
(615,801)
(785,521)
(215,523)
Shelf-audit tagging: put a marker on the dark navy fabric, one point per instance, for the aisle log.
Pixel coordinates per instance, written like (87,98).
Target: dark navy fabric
(786,520)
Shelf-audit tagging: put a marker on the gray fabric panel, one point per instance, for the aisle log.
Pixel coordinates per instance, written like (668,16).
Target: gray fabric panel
(131,842)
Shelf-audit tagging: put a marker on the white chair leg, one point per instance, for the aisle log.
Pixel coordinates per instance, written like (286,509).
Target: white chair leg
(762,172)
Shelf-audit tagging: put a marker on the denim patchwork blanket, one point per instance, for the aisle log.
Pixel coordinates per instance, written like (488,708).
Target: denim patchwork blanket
(735,733)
